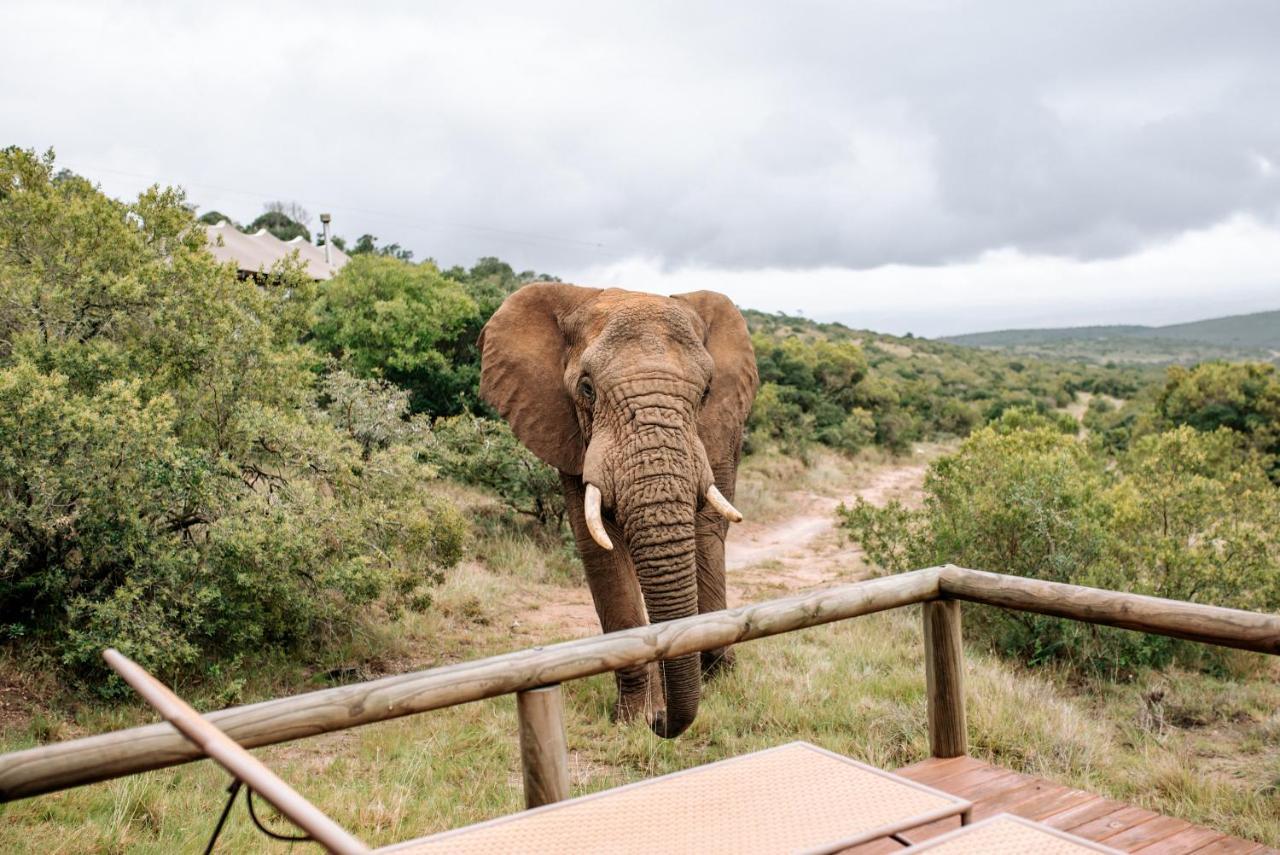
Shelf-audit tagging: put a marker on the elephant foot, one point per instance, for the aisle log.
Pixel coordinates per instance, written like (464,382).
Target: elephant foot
(639,695)
(629,708)
(716,662)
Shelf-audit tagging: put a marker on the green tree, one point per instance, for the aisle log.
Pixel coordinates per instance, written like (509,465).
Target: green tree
(368,245)
(1197,519)
(281,225)
(387,318)
(213,218)
(1025,502)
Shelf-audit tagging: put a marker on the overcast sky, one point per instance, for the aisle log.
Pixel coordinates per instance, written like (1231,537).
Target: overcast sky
(932,167)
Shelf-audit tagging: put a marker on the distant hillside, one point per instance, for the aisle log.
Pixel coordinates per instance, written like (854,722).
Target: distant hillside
(847,388)
(1253,336)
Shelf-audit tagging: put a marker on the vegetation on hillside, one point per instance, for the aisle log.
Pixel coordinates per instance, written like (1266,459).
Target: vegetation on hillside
(848,388)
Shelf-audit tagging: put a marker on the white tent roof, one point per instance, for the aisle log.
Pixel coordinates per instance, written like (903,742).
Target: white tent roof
(259,251)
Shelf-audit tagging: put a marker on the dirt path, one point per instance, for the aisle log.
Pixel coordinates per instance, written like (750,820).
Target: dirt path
(803,550)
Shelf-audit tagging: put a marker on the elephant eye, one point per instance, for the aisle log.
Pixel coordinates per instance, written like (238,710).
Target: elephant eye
(587,390)
(706,393)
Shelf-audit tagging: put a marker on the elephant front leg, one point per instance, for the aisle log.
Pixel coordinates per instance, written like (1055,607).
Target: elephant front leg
(619,604)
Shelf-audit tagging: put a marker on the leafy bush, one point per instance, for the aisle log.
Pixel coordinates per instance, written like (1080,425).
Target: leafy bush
(484,452)
(1243,397)
(168,482)
(1195,515)
(387,318)
(1184,515)
(1019,418)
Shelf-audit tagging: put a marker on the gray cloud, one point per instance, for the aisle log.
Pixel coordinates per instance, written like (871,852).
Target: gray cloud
(732,136)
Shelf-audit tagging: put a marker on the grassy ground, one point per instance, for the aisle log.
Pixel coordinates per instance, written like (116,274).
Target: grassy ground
(1184,744)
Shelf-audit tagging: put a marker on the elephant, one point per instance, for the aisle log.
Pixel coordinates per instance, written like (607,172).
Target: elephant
(640,402)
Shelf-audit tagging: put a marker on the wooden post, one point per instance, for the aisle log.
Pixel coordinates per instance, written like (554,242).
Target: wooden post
(944,678)
(544,752)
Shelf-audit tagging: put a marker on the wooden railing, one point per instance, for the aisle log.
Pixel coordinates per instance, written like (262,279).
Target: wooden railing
(535,674)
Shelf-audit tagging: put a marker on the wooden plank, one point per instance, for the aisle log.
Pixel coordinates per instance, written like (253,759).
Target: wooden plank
(1148,833)
(1051,801)
(933,829)
(1002,802)
(995,786)
(139,749)
(1192,621)
(944,678)
(965,782)
(937,768)
(544,750)
(1028,802)
(1105,827)
(977,782)
(1184,842)
(1082,813)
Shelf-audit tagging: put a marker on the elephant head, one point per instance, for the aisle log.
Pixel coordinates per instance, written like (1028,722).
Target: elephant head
(642,397)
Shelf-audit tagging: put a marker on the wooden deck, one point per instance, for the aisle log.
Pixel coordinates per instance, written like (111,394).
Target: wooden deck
(995,790)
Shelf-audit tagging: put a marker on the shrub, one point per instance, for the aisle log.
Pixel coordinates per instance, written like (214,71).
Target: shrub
(1242,397)
(484,452)
(1184,515)
(1023,418)
(776,417)
(1195,518)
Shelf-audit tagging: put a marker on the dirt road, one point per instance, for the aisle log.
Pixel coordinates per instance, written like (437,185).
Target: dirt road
(805,550)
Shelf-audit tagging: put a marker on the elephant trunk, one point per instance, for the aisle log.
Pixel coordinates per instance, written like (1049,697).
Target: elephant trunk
(665,562)
(656,508)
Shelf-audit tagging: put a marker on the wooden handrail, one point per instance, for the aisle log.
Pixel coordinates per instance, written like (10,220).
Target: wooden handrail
(1191,621)
(111,755)
(69,764)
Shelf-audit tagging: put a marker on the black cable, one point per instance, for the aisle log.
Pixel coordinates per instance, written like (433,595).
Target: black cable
(248,798)
(234,790)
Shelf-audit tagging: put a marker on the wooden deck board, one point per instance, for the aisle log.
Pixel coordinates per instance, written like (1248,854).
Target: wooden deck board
(1125,827)
(1184,842)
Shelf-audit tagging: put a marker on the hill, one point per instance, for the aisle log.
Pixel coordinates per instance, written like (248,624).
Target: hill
(1236,337)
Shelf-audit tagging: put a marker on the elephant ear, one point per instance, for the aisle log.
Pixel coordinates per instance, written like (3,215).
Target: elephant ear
(733,386)
(523,353)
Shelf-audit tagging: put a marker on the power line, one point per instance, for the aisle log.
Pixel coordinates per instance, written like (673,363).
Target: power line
(397,219)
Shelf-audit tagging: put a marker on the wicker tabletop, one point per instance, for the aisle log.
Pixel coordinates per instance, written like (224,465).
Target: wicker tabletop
(793,798)
(1005,834)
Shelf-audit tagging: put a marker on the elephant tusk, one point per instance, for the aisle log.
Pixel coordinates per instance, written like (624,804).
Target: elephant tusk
(721,504)
(595,524)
